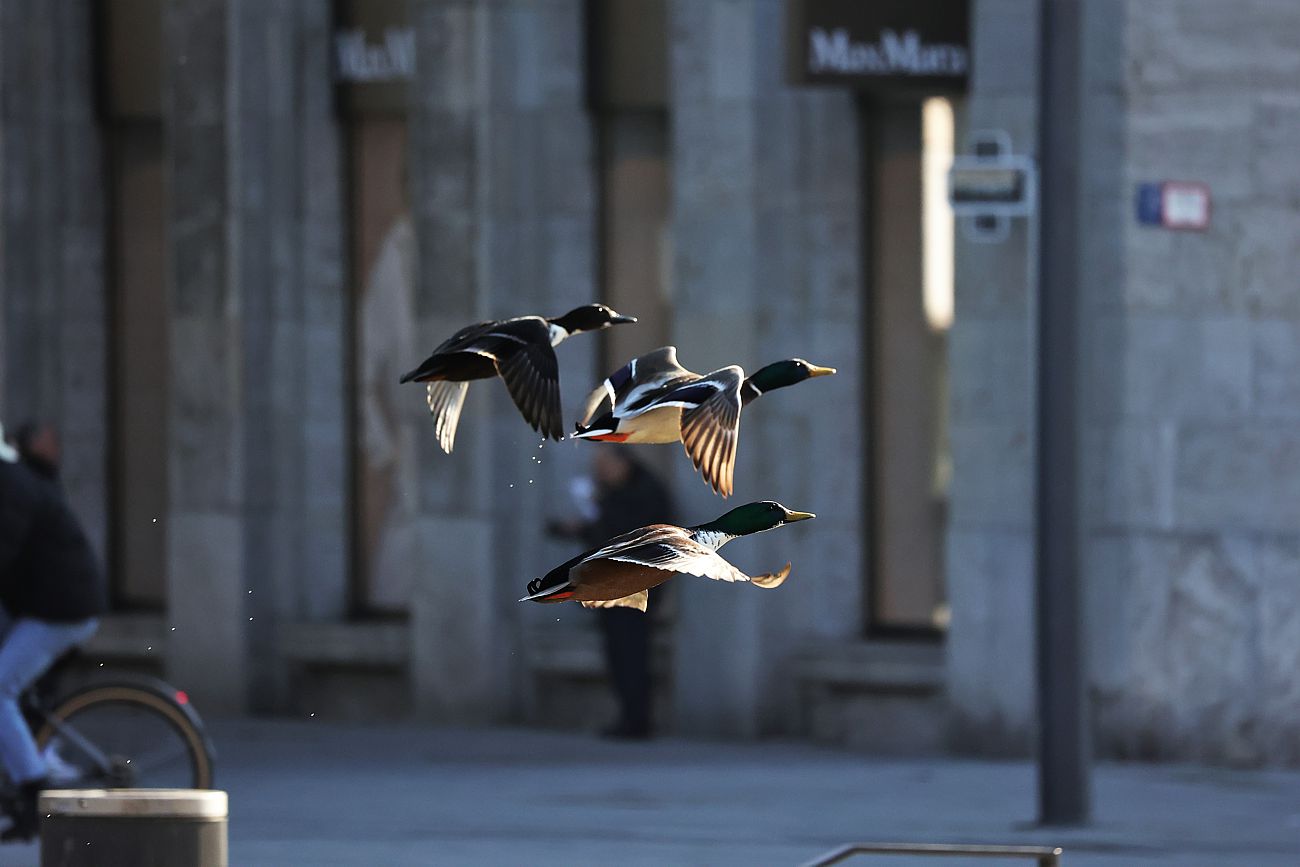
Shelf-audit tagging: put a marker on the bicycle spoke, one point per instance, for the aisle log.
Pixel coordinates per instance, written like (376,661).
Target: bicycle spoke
(143,764)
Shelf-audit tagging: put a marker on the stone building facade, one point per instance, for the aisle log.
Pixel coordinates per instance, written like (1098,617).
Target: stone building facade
(206,235)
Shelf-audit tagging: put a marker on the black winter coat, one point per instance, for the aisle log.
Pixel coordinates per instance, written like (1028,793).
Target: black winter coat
(48,570)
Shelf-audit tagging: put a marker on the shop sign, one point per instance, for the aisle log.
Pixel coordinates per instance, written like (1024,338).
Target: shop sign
(374,56)
(883,44)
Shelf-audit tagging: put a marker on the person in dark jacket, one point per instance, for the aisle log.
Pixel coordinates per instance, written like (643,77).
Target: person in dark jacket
(627,496)
(52,594)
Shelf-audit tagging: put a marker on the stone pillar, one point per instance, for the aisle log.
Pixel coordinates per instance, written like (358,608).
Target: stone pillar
(53,342)
(990,529)
(1195,525)
(286,250)
(766,228)
(258,466)
(207,593)
(504,216)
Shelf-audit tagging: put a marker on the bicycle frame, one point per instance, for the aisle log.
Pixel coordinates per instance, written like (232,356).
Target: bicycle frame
(71,735)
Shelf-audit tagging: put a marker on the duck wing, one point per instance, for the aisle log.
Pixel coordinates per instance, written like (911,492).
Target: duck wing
(641,378)
(662,546)
(474,338)
(711,423)
(445,402)
(527,364)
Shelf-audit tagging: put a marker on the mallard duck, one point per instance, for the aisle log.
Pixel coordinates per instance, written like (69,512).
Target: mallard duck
(653,399)
(520,351)
(622,571)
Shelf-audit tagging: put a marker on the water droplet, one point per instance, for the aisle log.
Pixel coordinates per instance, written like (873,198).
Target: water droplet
(101,665)
(250,619)
(155,520)
(512,484)
(150,647)
(173,629)
(530,481)
(311,714)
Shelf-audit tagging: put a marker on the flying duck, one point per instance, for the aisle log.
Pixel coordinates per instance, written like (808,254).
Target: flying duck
(520,351)
(621,572)
(653,399)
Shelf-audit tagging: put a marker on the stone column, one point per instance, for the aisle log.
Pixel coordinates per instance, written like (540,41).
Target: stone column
(53,346)
(990,530)
(258,461)
(504,212)
(452,628)
(766,229)
(207,593)
(286,249)
(1195,526)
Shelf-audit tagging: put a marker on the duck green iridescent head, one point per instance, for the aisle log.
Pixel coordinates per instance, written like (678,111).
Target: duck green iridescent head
(755,518)
(780,374)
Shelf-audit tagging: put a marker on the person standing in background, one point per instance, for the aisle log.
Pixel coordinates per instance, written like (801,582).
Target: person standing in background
(627,496)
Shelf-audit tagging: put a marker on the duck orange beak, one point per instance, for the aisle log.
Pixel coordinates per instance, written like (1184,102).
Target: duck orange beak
(814,370)
(792,516)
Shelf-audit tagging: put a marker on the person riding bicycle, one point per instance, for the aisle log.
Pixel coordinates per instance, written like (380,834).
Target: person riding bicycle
(52,593)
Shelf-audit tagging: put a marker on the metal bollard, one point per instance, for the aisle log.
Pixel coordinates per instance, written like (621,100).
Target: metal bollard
(133,828)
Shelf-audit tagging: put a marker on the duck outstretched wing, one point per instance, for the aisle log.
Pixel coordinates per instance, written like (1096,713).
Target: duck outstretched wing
(711,424)
(668,548)
(671,548)
(492,339)
(445,402)
(635,383)
(527,365)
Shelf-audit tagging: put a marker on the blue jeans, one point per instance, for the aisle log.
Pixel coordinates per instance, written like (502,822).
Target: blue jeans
(27,648)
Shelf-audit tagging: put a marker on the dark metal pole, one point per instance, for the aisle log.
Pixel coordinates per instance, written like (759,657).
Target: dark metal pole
(1064,748)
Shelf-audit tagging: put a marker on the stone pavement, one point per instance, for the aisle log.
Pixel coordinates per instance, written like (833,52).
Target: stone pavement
(308,793)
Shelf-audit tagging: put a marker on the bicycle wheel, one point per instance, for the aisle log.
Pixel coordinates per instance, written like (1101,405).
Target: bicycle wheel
(125,735)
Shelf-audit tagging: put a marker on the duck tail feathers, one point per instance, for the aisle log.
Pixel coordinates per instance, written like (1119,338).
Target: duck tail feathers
(603,426)
(771,579)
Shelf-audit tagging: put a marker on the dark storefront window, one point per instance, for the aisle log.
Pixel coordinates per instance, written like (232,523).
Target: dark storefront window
(909,316)
(132,112)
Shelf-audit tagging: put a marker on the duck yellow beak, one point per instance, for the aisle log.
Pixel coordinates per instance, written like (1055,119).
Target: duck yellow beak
(814,370)
(791,516)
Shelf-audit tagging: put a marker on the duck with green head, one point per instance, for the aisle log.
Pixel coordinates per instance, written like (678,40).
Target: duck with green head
(622,571)
(653,399)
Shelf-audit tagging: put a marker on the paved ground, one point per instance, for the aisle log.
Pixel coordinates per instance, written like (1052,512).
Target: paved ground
(389,796)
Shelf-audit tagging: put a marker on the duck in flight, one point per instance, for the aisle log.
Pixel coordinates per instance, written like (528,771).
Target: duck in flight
(621,572)
(653,399)
(520,351)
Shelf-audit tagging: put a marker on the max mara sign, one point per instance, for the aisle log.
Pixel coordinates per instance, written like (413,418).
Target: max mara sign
(879,44)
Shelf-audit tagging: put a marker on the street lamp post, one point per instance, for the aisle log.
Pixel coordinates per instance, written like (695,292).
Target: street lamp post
(1064,749)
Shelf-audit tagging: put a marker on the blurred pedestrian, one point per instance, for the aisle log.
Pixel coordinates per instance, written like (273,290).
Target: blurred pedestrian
(52,594)
(626,496)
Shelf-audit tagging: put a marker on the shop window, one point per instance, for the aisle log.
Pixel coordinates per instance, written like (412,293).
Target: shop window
(131,103)
(909,316)
(383,291)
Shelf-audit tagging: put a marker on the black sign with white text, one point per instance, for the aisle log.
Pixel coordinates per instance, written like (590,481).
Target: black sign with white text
(879,44)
